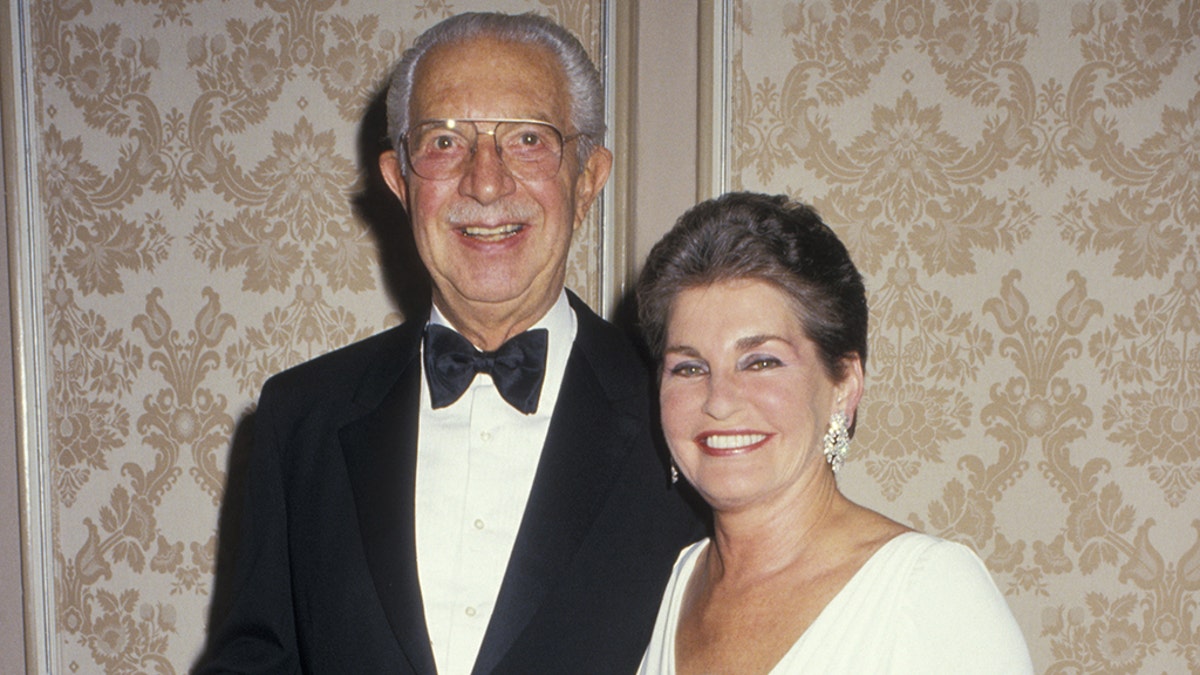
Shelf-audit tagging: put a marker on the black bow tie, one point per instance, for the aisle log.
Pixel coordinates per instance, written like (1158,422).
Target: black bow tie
(517,367)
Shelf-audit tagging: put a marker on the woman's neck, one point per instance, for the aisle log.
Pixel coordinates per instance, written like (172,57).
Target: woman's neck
(761,540)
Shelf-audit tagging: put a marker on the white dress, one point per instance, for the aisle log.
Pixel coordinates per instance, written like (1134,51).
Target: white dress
(920,604)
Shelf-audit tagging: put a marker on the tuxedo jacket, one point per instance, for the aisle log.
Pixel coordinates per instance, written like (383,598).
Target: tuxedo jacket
(326,578)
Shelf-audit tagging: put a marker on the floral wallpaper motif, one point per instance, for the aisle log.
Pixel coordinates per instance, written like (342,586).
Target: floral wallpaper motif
(208,205)
(1019,180)
(1020,183)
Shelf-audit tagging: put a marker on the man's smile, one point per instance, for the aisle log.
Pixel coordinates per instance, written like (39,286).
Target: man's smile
(491,234)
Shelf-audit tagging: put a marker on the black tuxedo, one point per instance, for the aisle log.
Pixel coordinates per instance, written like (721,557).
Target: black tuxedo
(326,577)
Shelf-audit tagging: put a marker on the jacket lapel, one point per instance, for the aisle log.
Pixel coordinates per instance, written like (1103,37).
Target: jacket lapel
(380,452)
(585,448)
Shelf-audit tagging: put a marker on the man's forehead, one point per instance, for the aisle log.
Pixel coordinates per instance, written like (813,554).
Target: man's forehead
(486,76)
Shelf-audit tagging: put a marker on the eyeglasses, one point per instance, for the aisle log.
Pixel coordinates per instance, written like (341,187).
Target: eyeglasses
(441,149)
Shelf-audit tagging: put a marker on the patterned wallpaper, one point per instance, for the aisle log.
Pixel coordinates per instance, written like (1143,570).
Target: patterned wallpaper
(1020,183)
(211,214)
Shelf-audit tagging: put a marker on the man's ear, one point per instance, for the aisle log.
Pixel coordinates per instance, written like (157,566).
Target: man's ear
(590,180)
(389,166)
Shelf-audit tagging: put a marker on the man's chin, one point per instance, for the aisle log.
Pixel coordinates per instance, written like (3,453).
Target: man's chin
(486,293)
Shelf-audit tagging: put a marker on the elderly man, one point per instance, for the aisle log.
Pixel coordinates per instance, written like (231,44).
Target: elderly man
(476,490)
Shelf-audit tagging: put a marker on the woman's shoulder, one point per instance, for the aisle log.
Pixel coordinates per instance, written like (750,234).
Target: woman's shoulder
(861,533)
(927,559)
(932,556)
(951,601)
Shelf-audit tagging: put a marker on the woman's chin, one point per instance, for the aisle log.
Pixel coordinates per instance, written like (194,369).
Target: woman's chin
(730,492)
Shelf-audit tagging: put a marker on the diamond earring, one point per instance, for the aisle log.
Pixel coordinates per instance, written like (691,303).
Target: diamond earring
(837,440)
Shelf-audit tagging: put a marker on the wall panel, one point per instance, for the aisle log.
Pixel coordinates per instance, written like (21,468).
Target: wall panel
(208,214)
(1018,181)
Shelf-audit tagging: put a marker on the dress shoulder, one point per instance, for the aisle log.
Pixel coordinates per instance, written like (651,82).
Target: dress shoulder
(955,619)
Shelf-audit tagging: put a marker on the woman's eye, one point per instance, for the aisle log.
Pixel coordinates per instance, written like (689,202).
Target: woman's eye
(762,363)
(687,370)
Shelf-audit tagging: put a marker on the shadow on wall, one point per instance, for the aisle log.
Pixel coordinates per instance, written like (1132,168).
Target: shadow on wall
(407,285)
(404,276)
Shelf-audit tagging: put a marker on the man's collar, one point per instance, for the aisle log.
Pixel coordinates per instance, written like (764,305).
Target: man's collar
(558,319)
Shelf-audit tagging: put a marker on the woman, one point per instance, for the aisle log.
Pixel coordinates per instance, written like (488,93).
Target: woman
(759,319)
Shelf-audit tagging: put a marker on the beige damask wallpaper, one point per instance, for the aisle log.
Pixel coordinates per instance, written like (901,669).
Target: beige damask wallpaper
(209,215)
(1020,183)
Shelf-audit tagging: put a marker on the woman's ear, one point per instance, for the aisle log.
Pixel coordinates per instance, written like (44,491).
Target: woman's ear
(850,389)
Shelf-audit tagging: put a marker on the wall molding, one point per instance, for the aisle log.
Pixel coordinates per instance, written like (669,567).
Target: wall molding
(27,252)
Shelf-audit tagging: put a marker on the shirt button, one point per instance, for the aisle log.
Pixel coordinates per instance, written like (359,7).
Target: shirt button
(485,436)
(470,611)
(478,524)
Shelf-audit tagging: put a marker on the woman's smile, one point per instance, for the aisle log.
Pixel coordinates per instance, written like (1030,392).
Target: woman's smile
(730,443)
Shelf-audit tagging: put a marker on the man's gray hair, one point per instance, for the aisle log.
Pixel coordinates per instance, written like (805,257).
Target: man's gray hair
(583,80)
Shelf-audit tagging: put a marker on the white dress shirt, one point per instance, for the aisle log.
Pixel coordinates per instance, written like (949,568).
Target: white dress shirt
(476,459)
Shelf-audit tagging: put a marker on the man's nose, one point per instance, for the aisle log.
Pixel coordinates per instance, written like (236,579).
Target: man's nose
(485,178)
